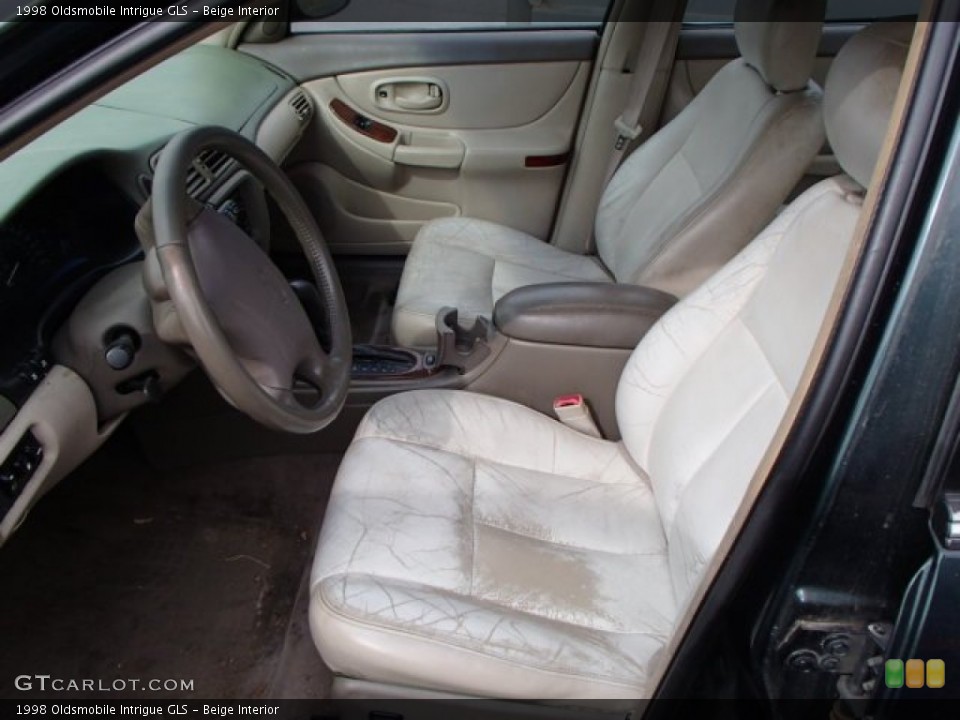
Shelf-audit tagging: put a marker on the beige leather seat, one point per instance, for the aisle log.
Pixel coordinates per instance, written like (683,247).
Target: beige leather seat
(677,209)
(476,546)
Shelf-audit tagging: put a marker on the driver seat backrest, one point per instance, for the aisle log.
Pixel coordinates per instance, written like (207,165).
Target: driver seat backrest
(704,393)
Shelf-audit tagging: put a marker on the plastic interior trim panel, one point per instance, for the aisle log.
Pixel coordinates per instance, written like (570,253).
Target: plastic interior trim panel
(310,56)
(62,415)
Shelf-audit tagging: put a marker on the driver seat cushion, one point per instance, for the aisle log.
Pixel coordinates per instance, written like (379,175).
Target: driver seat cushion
(470,264)
(473,532)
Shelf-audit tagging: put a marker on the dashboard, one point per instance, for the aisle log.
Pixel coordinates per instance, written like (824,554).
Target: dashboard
(68,200)
(71,265)
(50,253)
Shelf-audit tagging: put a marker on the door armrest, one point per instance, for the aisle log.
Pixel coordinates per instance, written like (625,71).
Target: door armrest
(606,315)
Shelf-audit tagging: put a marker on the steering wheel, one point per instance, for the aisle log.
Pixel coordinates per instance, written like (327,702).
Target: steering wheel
(214,288)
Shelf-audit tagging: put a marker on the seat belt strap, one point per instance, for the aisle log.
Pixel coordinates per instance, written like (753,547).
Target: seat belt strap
(627,126)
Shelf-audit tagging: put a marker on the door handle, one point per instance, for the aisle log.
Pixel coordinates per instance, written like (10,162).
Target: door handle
(410,95)
(426,149)
(431,100)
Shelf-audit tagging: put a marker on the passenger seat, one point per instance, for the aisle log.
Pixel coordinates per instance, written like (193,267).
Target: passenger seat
(678,208)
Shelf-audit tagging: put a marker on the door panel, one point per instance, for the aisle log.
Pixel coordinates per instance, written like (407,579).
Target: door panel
(308,56)
(474,97)
(483,139)
(358,219)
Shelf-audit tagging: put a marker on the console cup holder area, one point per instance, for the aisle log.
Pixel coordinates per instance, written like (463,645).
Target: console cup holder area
(459,347)
(379,361)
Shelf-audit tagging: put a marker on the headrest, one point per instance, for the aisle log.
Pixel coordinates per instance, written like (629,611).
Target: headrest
(779,39)
(860,93)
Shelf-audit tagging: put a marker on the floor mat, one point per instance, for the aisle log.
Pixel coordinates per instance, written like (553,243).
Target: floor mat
(124,573)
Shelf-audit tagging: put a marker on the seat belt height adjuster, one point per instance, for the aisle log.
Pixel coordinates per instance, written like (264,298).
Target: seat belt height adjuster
(625,132)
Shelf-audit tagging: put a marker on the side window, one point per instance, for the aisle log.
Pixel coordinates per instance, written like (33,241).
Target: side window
(853,10)
(721,11)
(426,15)
(709,11)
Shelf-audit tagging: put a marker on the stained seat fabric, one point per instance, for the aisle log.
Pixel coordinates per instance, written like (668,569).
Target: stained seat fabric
(482,533)
(678,208)
(475,546)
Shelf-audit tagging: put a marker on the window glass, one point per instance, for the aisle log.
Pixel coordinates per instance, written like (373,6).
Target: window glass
(709,11)
(721,11)
(849,10)
(419,15)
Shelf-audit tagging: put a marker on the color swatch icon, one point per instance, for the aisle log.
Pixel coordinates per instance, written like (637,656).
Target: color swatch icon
(936,673)
(893,673)
(914,673)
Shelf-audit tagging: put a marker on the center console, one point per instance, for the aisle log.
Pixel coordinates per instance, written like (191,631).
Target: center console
(372,362)
(539,343)
(459,351)
(542,341)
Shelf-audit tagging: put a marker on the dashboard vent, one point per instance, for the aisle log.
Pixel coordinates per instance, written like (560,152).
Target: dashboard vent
(208,167)
(301,107)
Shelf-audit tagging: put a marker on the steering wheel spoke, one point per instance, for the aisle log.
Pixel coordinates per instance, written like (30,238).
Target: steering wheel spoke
(314,369)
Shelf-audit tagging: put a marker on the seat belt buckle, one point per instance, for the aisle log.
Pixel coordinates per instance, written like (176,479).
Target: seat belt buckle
(626,132)
(573,411)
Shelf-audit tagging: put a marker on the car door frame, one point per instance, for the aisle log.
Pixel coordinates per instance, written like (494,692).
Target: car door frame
(841,491)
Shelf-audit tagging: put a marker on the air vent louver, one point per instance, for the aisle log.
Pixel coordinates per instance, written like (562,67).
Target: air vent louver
(301,106)
(208,167)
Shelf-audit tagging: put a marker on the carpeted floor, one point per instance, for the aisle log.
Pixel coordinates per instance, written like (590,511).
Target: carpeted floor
(370,287)
(196,574)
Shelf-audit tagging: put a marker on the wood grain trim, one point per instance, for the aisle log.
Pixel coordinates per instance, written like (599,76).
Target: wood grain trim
(362,124)
(544,161)
(418,369)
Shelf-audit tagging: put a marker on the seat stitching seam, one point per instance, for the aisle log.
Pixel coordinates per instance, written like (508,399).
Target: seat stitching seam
(485,603)
(562,273)
(494,257)
(745,146)
(733,426)
(714,194)
(677,499)
(773,368)
(692,361)
(622,681)
(468,456)
(473,528)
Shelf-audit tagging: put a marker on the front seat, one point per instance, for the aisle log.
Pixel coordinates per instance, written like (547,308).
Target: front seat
(473,545)
(677,209)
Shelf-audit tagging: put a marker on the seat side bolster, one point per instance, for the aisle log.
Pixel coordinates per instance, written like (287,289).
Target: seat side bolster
(382,646)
